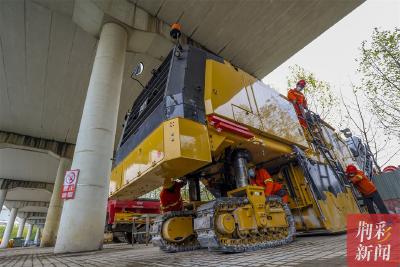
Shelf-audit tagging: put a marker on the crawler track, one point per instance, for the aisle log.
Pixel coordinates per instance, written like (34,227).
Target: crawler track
(209,237)
(188,244)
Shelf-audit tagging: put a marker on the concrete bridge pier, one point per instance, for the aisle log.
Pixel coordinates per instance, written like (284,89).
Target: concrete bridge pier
(55,207)
(21,225)
(82,220)
(28,235)
(9,228)
(36,241)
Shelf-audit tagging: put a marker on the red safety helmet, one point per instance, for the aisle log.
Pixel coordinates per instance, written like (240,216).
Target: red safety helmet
(301,83)
(351,169)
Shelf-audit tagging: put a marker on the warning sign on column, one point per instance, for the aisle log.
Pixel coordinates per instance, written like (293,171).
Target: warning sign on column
(70,182)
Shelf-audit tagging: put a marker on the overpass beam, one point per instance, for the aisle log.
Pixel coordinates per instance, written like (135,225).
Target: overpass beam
(9,228)
(14,140)
(54,212)
(21,225)
(82,220)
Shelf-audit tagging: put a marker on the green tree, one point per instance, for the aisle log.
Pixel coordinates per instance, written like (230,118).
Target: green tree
(15,230)
(379,64)
(205,195)
(320,96)
(155,194)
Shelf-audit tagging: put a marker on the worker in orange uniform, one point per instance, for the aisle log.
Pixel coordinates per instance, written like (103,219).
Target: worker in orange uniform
(299,101)
(261,177)
(278,190)
(170,196)
(367,189)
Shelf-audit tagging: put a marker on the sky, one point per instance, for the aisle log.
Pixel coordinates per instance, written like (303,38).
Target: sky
(331,56)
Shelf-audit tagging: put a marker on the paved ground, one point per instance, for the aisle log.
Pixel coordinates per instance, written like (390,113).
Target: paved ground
(321,251)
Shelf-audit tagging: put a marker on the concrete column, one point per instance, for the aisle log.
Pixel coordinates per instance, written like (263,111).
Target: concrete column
(9,228)
(82,220)
(28,235)
(49,234)
(21,226)
(37,237)
(3,193)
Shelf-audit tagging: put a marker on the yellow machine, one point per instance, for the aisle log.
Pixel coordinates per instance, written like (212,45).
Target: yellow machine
(204,120)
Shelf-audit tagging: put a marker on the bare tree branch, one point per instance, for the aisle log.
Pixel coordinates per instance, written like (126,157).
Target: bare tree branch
(394,154)
(362,128)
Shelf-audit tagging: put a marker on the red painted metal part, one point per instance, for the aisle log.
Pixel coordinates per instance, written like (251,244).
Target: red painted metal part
(136,206)
(222,124)
(390,168)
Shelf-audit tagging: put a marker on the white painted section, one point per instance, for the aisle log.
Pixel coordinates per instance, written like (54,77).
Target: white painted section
(28,235)
(21,226)
(55,207)
(82,219)
(9,227)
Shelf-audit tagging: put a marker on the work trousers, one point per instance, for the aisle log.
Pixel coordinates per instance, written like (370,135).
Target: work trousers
(375,198)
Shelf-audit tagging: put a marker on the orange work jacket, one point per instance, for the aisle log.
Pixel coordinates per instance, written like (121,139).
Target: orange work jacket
(363,184)
(171,199)
(301,101)
(294,95)
(263,178)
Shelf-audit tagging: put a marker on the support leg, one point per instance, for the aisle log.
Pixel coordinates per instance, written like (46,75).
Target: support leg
(55,207)
(82,220)
(28,235)
(9,228)
(21,226)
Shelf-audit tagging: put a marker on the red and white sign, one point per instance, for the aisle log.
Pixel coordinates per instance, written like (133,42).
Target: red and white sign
(69,187)
(373,240)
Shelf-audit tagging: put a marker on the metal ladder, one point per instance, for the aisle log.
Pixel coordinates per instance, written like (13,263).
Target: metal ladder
(318,140)
(324,178)
(315,130)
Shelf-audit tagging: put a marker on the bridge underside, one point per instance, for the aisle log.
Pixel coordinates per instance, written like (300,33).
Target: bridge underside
(256,36)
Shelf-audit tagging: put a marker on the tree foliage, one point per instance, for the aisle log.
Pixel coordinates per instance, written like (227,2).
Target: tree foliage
(204,193)
(15,231)
(319,94)
(379,64)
